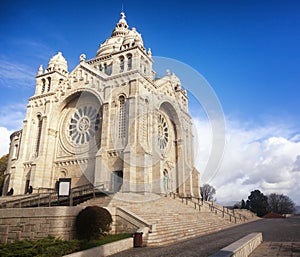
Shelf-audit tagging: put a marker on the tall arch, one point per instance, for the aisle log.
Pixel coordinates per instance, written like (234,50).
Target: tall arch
(169,143)
(39,134)
(122,116)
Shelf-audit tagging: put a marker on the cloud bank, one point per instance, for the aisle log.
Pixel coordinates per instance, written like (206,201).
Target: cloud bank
(265,158)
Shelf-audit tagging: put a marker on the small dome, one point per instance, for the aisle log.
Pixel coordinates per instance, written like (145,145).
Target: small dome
(110,45)
(121,28)
(133,38)
(58,63)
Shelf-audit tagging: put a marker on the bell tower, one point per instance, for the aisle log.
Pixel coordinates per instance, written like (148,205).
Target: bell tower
(56,72)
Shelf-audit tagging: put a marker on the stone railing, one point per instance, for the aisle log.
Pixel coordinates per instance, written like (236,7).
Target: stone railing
(134,219)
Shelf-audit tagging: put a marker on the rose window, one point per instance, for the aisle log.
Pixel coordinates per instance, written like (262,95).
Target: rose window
(83,125)
(163,132)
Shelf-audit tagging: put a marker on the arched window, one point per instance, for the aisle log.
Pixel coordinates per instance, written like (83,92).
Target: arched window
(145,67)
(39,133)
(122,116)
(129,62)
(49,84)
(15,151)
(43,85)
(121,63)
(163,132)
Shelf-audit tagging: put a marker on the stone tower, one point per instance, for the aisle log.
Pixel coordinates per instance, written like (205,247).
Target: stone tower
(110,122)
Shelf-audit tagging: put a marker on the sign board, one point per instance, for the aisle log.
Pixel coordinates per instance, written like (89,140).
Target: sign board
(64,186)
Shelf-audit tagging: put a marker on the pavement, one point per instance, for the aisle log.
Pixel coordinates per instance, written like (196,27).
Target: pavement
(281,238)
(277,249)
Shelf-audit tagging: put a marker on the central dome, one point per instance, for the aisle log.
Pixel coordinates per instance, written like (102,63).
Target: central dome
(121,38)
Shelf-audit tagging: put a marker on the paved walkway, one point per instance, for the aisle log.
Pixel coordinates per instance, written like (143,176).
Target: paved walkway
(277,249)
(282,236)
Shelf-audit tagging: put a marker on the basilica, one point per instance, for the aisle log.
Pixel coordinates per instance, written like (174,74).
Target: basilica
(111,122)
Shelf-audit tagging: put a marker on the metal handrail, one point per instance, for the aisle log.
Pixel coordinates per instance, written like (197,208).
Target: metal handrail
(49,198)
(212,207)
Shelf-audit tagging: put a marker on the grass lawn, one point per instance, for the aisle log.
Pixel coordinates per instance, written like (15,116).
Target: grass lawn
(53,247)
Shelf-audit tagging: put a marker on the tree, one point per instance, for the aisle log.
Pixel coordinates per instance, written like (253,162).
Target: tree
(237,205)
(243,204)
(207,192)
(3,165)
(240,205)
(258,203)
(280,204)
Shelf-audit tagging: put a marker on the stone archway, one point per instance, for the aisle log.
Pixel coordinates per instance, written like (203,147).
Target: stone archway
(169,129)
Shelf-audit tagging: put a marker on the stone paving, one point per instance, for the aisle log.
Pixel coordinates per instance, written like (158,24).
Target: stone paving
(281,238)
(277,249)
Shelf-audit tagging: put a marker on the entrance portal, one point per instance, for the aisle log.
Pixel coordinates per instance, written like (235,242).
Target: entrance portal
(117,180)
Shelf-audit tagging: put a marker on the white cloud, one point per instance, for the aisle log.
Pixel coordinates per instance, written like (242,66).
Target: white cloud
(265,158)
(13,74)
(4,140)
(12,116)
(11,119)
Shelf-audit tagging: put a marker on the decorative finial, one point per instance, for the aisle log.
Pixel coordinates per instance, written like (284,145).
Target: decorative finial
(149,52)
(168,73)
(123,15)
(82,57)
(40,71)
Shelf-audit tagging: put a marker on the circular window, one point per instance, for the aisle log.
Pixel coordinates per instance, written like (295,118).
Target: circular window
(83,125)
(163,132)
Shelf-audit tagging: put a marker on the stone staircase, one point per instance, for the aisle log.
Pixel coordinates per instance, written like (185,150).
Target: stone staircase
(174,219)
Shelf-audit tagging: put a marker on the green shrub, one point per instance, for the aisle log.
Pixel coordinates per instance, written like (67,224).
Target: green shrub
(52,247)
(92,223)
(45,247)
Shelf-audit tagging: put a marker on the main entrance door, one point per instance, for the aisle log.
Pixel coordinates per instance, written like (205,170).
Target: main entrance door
(117,180)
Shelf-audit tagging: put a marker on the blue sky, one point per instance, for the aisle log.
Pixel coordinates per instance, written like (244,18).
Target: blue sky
(248,50)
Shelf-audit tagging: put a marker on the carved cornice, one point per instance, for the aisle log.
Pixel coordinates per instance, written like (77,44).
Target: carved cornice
(41,96)
(64,163)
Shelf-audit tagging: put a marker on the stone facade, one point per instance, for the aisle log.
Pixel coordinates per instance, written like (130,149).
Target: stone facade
(110,122)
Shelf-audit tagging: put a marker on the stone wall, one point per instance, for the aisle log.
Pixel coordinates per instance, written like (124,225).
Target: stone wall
(37,223)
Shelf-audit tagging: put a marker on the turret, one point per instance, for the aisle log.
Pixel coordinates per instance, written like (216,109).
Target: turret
(54,74)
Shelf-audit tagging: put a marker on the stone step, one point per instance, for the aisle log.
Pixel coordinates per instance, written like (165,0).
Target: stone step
(172,238)
(174,220)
